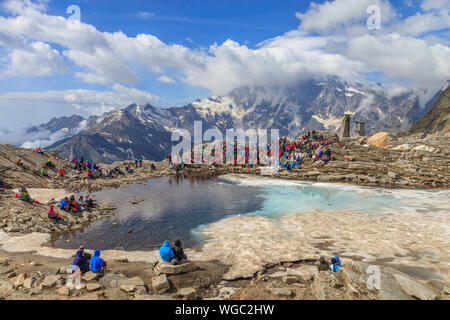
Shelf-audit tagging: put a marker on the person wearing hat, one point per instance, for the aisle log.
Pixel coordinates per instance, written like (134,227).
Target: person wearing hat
(178,252)
(81,260)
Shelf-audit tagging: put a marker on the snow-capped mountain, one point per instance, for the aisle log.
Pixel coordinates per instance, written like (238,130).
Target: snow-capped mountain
(145,131)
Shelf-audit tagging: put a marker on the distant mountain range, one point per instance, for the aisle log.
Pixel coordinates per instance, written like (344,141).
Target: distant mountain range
(145,131)
(438,118)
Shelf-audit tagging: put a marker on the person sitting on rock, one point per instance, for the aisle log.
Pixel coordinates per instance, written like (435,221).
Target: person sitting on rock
(49,163)
(97,264)
(20,164)
(81,260)
(335,264)
(178,251)
(73,205)
(323,265)
(53,215)
(24,196)
(89,203)
(82,203)
(43,171)
(129,170)
(64,204)
(1,184)
(166,253)
(62,173)
(152,167)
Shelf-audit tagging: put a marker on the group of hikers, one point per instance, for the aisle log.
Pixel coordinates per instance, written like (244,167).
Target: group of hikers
(174,255)
(93,170)
(292,153)
(82,203)
(334,266)
(85,262)
(309,146)
(68,204)
(24,195)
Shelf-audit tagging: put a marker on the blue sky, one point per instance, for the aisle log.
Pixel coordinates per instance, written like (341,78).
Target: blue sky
(193,49)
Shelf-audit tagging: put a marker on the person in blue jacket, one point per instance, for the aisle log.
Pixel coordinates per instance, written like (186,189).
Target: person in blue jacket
(97,263)
(64,204)
(81,260)
(335,264)
(166,252)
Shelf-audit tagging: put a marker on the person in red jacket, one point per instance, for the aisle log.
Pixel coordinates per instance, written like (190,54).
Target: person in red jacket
(53,215)
(62,173)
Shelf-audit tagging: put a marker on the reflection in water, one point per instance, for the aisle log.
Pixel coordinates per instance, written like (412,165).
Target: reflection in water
(173,206)
(179,207)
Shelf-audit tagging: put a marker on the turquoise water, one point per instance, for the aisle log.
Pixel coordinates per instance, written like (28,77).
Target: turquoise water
(181,208)
(283,197)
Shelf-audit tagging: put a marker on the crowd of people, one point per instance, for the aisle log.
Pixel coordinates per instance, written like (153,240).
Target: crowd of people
(309,146)
(292,153)
(84,262)
(82,203)
(93,170)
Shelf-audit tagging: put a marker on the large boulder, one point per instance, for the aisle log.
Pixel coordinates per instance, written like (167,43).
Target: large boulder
(50,281)
(188,293)
(380,140)
(414,288)
(133,286)
(90,276)
(112,280)
(19,280)
(170,269)
(280,292)
(160,284)
(304,273)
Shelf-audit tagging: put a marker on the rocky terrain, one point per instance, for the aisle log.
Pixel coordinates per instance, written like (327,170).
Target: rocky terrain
(384,159)
(27,276)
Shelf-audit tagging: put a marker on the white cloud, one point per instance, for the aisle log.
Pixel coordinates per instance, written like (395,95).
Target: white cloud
(89,101)
(420,23)
(20,6)
(167,79)
(38,59)
(402,58)
(45,138)
(340,15)
(332,39)
(435,4)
